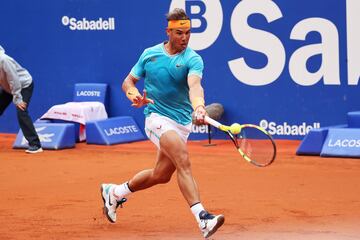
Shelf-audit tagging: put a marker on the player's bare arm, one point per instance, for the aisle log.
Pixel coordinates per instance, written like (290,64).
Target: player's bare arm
(196,93)
(133,94)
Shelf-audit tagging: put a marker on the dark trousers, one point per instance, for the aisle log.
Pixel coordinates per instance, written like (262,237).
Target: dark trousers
(23,117)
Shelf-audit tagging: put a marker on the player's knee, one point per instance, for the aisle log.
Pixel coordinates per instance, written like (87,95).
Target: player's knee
(183,162)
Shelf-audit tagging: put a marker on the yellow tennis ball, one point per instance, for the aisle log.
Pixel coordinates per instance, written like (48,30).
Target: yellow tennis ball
(235,128)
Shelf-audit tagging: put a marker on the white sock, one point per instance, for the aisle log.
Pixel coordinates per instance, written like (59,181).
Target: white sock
(196,209)
(121,190)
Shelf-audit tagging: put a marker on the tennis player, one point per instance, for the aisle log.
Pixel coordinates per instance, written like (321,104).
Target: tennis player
(173,90)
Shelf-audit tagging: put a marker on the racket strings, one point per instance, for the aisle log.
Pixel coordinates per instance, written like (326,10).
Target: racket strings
(256,145)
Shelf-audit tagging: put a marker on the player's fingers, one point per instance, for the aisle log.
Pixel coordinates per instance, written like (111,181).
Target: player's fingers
(144,94)
(199,122)
(200,118)
(201,110)
(137,105)
(135,101)
(148,100)
(199,114)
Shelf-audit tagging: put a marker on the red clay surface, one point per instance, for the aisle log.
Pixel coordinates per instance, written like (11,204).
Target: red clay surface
(55,194)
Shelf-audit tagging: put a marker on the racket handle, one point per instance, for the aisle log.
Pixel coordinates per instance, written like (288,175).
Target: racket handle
(212,122)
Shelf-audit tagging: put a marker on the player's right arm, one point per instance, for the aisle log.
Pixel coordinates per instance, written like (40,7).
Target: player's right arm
(133,94)
(196,91)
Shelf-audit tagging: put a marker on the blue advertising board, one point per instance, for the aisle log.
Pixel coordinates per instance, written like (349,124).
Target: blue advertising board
(342,142)
(113,131)
(288,66)
(52,136)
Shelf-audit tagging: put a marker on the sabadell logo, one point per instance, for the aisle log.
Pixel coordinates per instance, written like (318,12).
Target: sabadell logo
(286,129)
(84,24)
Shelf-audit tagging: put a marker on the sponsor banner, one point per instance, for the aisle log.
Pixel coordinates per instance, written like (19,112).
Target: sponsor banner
(51,135)
(286,129)
(277,130)
(342,142)
(295,64)
(113,131)
(199,129)
(201,132)
(90,92)
(84,24)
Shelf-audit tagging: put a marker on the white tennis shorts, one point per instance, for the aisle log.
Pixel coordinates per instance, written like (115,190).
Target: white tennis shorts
(156,125)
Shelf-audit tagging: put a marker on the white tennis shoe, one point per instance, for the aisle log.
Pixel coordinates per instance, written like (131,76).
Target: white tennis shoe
(110,202)
(209,223)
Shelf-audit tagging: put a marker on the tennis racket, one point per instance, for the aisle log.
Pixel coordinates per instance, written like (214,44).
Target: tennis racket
(254,144)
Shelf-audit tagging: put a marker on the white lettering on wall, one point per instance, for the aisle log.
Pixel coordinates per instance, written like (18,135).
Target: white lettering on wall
(353,38)
(257,40)
(328,49)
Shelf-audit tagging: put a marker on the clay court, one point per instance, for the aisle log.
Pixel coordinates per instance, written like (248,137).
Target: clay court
(55,194)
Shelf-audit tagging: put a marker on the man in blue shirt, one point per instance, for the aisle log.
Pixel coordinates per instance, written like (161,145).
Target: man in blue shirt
(172,73)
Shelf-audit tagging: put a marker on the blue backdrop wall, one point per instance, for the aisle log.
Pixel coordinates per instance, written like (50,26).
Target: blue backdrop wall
(286,65)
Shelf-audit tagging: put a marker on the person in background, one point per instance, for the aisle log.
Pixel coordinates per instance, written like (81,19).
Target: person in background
(16,85)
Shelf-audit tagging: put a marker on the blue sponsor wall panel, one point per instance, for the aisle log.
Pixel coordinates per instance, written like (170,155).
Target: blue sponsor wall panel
(285,65)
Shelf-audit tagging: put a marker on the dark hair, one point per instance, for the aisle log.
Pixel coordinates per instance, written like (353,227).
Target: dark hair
(177,14)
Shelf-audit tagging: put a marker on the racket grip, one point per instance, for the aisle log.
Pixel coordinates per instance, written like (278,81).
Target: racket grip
(212,122)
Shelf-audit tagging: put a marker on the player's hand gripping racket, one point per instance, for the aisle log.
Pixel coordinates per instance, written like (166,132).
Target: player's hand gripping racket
(253,143)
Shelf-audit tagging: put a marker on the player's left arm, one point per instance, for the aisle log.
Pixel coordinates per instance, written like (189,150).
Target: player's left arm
(196,94)
(133,94)
(128,85)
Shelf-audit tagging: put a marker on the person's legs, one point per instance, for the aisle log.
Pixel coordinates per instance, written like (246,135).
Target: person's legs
(160,174)
(25,121)
(113,195)
(176,149)
(170,138)
(5,100)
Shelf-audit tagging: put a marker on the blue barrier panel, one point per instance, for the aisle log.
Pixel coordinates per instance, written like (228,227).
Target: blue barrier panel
(342,142)
(312,143)
(353,119)
(112,131)
(52,136)
(76,126)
